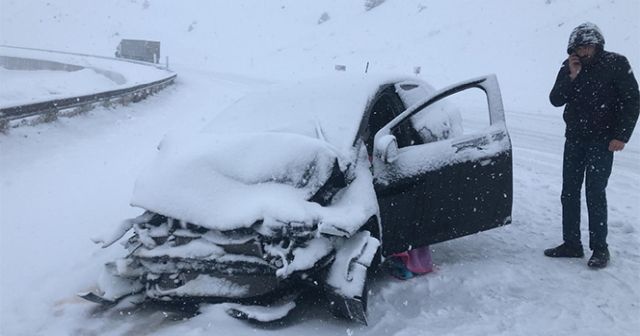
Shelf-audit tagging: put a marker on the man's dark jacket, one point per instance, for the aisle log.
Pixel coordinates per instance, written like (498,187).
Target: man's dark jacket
(602,102)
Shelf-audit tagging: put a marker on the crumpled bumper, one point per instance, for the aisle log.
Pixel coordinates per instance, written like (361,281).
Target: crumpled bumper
(172,260)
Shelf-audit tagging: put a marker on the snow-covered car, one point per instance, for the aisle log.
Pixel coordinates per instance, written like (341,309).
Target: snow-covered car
(310,185)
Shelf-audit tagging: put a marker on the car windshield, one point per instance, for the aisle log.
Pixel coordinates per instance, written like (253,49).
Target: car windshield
(329,108)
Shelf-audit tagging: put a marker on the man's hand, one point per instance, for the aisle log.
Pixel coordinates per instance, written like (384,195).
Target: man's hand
(616,145)
(574,66)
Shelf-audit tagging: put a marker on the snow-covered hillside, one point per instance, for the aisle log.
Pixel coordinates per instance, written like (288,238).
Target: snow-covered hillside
(65,182)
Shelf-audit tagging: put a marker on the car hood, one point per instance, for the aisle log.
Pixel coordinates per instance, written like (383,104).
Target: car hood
(230,181)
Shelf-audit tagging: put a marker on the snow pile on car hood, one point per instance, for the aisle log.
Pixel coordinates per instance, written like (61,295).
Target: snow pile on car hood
(232,180)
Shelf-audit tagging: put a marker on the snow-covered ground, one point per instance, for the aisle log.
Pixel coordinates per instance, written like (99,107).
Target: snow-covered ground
(28,86)
(71,75)
(65,182)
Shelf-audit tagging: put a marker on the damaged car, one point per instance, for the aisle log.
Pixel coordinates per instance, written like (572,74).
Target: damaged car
(309,186)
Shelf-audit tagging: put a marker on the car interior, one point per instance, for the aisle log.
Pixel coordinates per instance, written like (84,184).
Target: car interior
(386,106)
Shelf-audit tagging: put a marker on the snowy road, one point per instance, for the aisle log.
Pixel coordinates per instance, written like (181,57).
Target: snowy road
(493,283)
(65,182)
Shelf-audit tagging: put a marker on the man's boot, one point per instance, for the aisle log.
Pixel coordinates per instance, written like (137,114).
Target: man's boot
(565,251)
(599,259)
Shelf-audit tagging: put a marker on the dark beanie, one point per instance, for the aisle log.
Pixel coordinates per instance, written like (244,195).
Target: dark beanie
(585,34)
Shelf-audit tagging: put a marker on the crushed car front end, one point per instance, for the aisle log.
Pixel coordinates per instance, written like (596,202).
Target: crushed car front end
(175,260)
(317,234)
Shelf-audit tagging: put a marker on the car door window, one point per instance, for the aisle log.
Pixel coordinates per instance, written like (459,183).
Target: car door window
(463,113)
(386,106)
(413,92)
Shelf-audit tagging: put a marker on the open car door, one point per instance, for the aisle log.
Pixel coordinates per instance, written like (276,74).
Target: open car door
(436,181)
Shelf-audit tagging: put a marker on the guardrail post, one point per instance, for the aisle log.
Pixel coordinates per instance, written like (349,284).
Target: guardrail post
(4,126)
(49,116)
(107,103)
(79,110)
(125,100)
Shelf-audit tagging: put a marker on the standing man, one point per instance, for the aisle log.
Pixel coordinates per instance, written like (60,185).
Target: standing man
(601,105)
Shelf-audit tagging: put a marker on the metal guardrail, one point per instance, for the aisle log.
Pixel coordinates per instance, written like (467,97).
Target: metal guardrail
(49,110)
(159,66)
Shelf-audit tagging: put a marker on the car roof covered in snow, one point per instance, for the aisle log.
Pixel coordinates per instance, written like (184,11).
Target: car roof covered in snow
(329,108)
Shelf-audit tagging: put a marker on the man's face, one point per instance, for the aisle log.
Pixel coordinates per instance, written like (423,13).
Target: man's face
(585,53)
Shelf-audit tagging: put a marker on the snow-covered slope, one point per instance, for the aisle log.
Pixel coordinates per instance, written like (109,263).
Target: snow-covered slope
(64,182)
(522,41)
(44,76)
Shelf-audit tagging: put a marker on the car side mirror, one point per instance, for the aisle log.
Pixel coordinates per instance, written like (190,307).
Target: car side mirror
(386,148)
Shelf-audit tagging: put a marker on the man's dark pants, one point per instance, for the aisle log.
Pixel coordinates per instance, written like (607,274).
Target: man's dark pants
(595,160)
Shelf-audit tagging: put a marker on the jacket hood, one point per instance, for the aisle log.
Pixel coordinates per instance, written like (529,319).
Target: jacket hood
(585,34)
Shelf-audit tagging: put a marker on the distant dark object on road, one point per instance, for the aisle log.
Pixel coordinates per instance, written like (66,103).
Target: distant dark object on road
(139,50)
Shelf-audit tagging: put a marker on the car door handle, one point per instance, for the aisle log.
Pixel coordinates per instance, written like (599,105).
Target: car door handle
(476,143)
